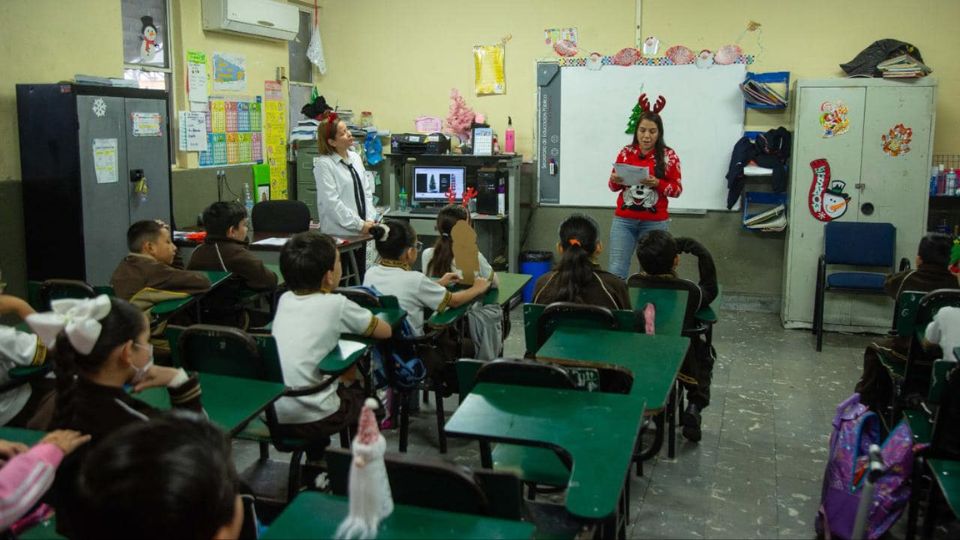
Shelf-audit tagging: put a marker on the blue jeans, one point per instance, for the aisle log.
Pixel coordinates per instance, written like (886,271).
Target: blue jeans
(624,235)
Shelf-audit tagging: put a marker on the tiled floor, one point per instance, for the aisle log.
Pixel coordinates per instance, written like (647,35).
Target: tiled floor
(757,471)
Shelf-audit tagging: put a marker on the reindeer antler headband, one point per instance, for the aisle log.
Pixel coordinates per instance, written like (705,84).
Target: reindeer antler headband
(642,106)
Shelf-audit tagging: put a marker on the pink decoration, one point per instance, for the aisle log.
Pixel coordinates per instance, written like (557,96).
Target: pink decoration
(565,47)
(680,55)
(461,116)
(727,54)
(626,57)
(649,318)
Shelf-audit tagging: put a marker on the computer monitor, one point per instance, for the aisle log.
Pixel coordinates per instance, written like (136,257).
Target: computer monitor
(431,184)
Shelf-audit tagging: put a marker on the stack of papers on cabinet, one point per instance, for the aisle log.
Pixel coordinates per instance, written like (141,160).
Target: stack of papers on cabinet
(903,67)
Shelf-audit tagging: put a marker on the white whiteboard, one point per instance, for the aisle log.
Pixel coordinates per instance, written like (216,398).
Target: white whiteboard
(703,119)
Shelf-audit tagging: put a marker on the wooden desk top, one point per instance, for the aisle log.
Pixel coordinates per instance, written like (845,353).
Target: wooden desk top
(652,361)
(317,515)
(596,430)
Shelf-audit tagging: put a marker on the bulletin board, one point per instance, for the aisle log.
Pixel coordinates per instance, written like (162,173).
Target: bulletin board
(582,115)
(234,131)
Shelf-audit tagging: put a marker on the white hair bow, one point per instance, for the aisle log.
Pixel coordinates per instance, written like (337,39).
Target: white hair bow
(78,319)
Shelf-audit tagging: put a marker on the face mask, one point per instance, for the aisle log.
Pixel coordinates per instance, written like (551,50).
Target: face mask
(140,373)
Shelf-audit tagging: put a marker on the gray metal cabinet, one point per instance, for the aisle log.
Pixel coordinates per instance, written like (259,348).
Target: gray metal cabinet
(306,184)
(76,219)
(884,183)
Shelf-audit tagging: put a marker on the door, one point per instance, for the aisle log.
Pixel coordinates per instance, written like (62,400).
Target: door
(895,178)
(841,148)
(147,151)
(103,184)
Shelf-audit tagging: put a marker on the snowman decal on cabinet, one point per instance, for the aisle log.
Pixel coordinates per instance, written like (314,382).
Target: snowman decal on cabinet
(827,199)
(640,198)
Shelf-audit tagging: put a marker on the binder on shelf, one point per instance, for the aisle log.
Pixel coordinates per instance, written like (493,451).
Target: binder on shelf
(771,219)
(766,90)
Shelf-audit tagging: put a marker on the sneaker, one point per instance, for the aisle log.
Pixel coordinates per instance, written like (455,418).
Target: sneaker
(690,420)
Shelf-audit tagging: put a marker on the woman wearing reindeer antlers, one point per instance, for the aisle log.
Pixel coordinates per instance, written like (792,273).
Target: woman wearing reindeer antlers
(642,208)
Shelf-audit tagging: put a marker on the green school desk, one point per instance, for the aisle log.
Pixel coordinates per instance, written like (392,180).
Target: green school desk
(343,356)
(317,515)
(947,474)
(653,362)
(45,530)
(596,430)
(670,306)
(165,309)
(230,402)
(510,286)
(28,437)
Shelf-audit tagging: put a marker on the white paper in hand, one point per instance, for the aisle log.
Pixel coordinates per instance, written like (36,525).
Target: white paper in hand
(631,175)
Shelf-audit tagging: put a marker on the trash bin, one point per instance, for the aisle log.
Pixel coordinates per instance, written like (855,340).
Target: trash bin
(536,264)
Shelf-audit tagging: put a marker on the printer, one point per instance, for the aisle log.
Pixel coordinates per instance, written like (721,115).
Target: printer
(419,143)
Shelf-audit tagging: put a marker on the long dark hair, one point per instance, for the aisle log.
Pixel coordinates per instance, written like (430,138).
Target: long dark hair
(659,169)
(392,245)
(171,477)
(442,259)
(578,239)
(124,323)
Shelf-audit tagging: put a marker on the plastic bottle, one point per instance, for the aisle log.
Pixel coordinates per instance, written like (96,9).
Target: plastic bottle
(248,203)
(951,182)
(496,145)
(933,180)
(941,180)
(502,198)
(509,138)
(402,199)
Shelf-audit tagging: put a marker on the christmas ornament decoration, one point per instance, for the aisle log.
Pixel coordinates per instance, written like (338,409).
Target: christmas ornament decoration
(826,204)
(897,141)
(727,55)
(680,55)
(369,490)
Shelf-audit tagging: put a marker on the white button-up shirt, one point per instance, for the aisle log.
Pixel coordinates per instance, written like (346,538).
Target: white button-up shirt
(336,205)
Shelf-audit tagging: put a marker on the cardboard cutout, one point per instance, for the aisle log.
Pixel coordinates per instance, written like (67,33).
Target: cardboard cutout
(465,252)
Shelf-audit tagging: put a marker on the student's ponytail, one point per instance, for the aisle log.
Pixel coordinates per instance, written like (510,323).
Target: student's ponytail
(123,323)
(393,238)
(442,260)
(578,240)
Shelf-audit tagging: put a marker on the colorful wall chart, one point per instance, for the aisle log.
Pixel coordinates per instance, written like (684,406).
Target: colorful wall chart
(234,131)
(275,137)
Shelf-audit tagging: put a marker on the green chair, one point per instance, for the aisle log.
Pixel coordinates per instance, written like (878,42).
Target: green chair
(536,333)
(223,350)
(431,483)
(408,347)
(536,467)
(56,289)
(917,370)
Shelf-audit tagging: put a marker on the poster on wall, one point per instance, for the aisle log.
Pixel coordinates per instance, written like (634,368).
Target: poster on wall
(275,139)
(234,131)
(229,72)
(197,77)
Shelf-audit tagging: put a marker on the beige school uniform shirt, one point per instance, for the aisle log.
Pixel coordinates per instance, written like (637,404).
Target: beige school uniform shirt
(16,349)
(414,291)
(307,327)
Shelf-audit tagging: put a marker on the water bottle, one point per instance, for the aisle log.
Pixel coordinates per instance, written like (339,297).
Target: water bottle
(951,182)
(941,180)
(933,181)
(402,199)
(248,203)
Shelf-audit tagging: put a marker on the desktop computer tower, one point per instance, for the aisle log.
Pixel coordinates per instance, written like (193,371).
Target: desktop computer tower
(491,191)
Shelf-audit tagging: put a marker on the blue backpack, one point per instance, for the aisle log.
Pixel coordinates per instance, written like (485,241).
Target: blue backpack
(408,372)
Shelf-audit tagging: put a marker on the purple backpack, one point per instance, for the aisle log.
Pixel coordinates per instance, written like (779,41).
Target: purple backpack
(855,428)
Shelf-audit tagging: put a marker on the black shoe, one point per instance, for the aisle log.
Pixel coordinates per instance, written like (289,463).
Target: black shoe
(690,420)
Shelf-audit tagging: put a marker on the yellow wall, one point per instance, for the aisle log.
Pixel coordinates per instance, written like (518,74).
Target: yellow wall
(399,58)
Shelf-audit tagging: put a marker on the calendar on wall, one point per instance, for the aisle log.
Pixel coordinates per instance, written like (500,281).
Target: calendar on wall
(234,131)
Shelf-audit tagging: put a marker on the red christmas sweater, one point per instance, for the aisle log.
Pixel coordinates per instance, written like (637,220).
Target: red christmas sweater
(642,202)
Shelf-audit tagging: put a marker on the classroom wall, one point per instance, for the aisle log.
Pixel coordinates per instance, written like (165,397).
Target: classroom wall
(377,63)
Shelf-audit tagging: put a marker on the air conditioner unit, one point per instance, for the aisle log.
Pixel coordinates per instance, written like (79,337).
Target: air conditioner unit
(259,18)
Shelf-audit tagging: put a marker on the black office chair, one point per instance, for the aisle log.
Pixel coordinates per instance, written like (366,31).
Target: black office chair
(280,216)
(56,289)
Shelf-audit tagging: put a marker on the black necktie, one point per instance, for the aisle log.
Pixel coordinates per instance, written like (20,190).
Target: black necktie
(358,195)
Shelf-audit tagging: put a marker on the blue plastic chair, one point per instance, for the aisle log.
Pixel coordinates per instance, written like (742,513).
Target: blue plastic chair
(853,244)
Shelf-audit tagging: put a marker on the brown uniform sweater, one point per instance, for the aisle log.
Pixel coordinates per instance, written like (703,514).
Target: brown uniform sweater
(604,290)
(227,254)
(137,272)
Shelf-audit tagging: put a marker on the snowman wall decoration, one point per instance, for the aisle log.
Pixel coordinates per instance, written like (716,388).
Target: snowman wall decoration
(641,198)
(826,203)
(148,39)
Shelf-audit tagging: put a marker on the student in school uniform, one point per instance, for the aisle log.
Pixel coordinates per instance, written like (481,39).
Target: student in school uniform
(438,260)
(28,405)
(659,256)
(226,249)
(577,277)
(102,346)
(307,326)
(931,273)
(172,477)
(344,197)
(397,245)
(146,275)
